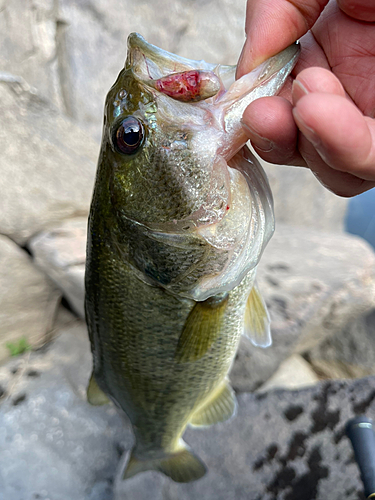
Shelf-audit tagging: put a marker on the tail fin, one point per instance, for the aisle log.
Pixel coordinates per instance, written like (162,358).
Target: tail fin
(181,466)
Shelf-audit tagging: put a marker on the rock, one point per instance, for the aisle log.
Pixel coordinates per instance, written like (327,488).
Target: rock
(34,55)
(300,200)
(53,443)
(61,254)
(281,444)
(293,373)
(349,353)
(47,163)
(313,287)
(28,299)
(72,53)
(311,283)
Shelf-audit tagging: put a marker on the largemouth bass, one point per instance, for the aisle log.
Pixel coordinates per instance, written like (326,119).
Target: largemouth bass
(180,215)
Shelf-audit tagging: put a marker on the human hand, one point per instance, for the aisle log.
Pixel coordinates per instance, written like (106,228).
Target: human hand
(325,120)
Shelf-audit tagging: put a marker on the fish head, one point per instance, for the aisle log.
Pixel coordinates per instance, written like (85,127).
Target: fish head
(160,149)
(174,159)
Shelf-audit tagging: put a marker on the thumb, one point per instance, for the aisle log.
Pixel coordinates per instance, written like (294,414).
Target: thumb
(272,25)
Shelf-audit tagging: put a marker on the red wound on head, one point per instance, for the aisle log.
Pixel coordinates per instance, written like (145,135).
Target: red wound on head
(192,85)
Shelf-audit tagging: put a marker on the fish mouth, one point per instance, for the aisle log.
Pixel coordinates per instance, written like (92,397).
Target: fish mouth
(152,64)
(224,100)
(149,62)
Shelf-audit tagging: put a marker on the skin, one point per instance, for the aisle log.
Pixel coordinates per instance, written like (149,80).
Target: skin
(324,120)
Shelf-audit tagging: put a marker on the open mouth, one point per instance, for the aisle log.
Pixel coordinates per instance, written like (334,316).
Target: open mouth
(211,87)
(235,217)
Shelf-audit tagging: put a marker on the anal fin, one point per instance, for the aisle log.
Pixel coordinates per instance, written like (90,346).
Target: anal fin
(95,396)
(220,407)
(181,466)
(257,320)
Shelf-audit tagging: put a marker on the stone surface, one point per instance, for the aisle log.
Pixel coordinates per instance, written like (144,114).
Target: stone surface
(53,443)
(61,254)
(283,445)
(311,283)
(293,373)
(300,200)
(47,163)
(72,52)
(313,287)
(34,55)
(349,353)
(28,299)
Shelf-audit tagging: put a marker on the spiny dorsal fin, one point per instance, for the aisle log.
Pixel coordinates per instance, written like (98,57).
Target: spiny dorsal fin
(181,466)
(257,320)
(201,329)
(95,396)
(220,407)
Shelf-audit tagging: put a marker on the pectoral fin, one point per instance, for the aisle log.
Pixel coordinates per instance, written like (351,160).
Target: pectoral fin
(201,329)
(219,408)
(95,396)
(257,320)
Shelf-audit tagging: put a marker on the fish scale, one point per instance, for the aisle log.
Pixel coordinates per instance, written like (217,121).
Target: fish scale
(180,215)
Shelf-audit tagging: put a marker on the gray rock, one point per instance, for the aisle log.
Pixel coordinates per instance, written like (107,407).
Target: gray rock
(28,299)
(300,200)
(72,52)
(293,373)
(61,254)
(53,443)
(282,444)
(310,281)
(349,353)
(313,287)
(34,55)
(47,163)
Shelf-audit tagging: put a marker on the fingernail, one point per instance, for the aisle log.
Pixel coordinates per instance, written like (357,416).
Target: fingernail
(259,142)
(298,91)
(307,131)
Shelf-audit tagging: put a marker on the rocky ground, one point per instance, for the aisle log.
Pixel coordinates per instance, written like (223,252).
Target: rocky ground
(284,444)
(319,283)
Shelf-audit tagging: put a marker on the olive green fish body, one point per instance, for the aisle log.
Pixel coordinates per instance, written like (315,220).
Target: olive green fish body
(180,215)
(135,332)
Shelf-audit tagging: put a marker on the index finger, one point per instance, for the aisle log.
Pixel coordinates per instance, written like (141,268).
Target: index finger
(272,25)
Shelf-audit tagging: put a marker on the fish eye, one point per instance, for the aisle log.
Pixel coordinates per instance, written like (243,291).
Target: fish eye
(128,136)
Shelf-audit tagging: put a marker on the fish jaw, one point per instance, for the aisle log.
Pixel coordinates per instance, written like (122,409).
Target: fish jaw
(265,80)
